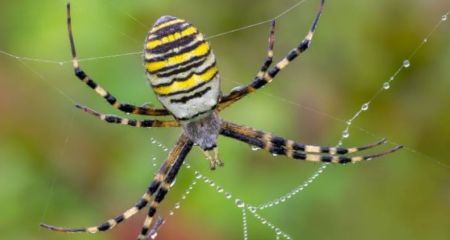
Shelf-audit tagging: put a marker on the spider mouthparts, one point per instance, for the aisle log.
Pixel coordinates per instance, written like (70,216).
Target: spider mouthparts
(213,157)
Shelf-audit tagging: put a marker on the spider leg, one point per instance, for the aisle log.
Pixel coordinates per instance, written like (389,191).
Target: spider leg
(234,95)
(163,189)
(125,107)
(269,57)
(153,232)
(178,151)
(280,146)
(280,142)
(264,76)
(130,122)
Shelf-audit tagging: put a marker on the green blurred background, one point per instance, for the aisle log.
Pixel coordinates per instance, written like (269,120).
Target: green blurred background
(61,166)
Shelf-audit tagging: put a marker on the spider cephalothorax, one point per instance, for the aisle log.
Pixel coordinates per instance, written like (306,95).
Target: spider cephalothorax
(182,72)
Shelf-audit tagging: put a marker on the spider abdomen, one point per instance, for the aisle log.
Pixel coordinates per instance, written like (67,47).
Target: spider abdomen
(181,68)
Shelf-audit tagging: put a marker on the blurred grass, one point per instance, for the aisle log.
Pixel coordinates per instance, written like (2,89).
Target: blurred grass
(60,166)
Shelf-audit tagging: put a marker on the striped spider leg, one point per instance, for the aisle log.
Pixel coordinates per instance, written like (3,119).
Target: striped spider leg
(147,123)
(160,185)
(269,57)
(281,146)
(163,190)
(265,76)
(124,107)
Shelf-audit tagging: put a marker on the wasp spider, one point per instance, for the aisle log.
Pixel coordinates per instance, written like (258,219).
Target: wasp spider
(181,69)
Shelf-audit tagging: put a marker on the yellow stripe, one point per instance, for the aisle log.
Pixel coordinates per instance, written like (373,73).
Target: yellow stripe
(166,24)
(172,37)
(199,51)
(187,84)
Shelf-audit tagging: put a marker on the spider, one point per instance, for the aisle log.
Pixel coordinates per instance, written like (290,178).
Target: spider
(181,69)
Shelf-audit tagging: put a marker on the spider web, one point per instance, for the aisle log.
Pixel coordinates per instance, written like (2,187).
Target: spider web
(205,180)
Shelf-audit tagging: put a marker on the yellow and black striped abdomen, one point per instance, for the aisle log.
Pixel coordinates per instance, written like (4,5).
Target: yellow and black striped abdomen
(181,68)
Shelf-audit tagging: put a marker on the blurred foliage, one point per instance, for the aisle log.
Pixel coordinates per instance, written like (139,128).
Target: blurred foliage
(61,166)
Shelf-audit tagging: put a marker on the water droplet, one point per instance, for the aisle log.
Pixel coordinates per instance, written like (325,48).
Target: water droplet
(227,195)
(219,189)
(425,40)
(283,199)
(154,164)
(239,203)
(274,154)
(171,213)
(207,181)
(255,148)
(365,106)
(173,183)
(406,63)
(386,85)
(349,122)
(177,205)
(212,184)
(392,78)
(188,166)
(345,133)
(153,141)
(278,231)
(166,149)
(252,209)
(444,17)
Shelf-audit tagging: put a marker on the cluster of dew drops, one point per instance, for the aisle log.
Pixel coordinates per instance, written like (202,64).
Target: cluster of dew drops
(386,86)
(365,106)
(199,177)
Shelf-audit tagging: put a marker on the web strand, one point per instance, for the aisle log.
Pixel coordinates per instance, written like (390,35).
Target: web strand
(61,156)
(140,52)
